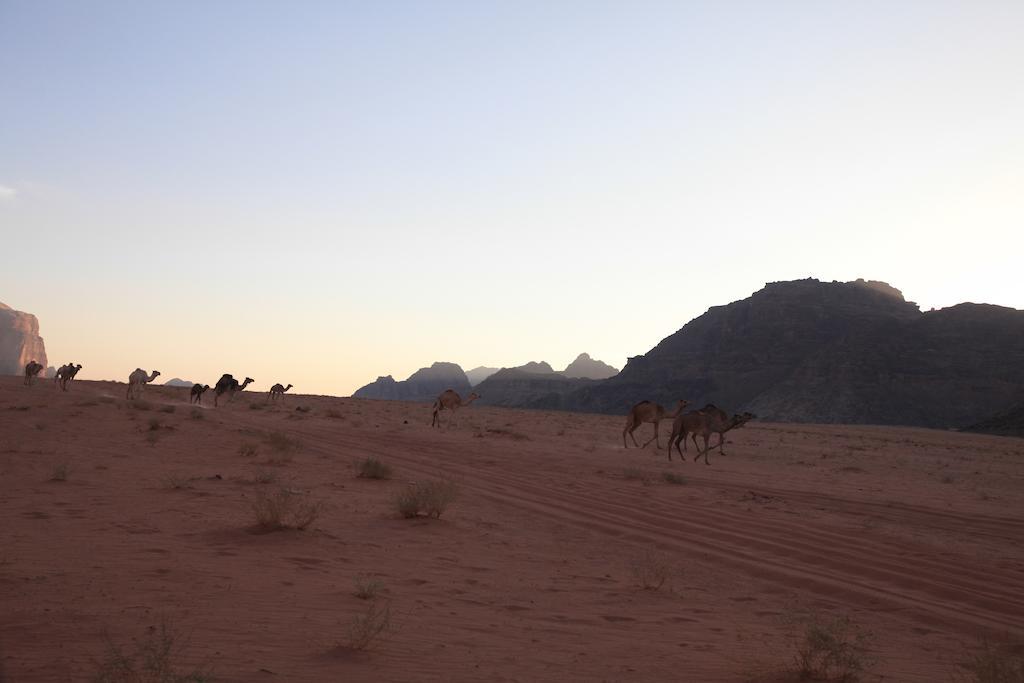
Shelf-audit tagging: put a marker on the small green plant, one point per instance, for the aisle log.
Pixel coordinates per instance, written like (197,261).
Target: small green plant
(650,569)
(673,478)
(247,449)
(60,472)
(284,509)
(832,649)
(429,498)
(168,408)
(994,662)
(372,468)
(367,588)
(367,628)
(151,661)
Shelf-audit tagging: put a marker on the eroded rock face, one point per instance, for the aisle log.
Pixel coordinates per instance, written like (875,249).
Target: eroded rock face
(477,375)
(426,384)
(19,341)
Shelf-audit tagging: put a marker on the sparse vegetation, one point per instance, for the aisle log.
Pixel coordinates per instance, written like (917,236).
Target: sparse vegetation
(673,478)
(197,414)
(152,661)
(140,404)
(152,437)
(282,443)
(372,468)
(177,482)
(429,498)
(168,408)
(651,569)
(367,628)
(302,409)
(60,472)
(284,509)
(367,588)
(247,449)
(994,662)
(264,477)
(155,424)
(831,649)
(636,474)
(334,415)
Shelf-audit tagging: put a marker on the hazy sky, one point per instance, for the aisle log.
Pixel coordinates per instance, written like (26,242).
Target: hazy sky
(320,193)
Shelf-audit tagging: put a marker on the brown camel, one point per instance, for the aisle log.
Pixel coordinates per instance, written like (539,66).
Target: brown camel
(230,386)
(646,411)
(65,374)
(450,400)
(277,391)
(31,372)
(138,380)
(703,423)
(196,395)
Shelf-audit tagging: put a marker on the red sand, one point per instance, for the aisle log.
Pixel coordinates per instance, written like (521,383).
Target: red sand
(916,534)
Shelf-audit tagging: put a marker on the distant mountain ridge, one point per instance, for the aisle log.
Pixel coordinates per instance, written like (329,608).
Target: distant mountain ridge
(423,385)
(477,375)
(585,367)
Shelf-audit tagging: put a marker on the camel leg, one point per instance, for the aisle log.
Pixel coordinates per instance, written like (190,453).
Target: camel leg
(653,438)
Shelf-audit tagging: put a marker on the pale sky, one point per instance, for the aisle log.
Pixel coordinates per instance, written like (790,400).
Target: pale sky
(321,193)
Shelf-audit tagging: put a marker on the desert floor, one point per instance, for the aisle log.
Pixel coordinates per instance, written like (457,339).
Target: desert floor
(916,535)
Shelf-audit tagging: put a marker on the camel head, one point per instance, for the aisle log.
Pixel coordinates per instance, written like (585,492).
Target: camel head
(205,387)
(472,397)
(740,419)
(248,381)
(680,406)
(156,373)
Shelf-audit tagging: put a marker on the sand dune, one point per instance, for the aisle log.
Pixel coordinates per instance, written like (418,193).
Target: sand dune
(528,576)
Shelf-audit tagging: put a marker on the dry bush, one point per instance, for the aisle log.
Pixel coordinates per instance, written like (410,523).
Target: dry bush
(255,406)
(247,449)
(264,477)
(372,468)
(168,408)
(282,443)
(832,649)
(636,474)
(60,472)
(367,588)
(994,662)
(141,404)
(152,438)
(284,509)
(651,569)
(430,498)
(177,482)
(155,424)
(152,661)
(302,409)
(334,415)
(673,478)
(197,414)
(367,628)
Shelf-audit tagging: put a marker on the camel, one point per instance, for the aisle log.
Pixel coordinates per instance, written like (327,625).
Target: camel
(138,380)
(450,400)
(230,386)
(65,374)
(646,411)
(705,422)
(31,371)
(277,391)
(197,393)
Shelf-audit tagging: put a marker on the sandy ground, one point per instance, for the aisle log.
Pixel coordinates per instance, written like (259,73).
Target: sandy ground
(529,575)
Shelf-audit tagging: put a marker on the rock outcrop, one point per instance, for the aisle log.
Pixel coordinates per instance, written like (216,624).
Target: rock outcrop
(585,367)
(423,385)
(19,341)
(534,385)
(177,382)
(853,352)
(1007,423)
(477,375)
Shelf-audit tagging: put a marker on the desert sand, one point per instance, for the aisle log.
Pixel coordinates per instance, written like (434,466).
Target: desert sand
(529,575)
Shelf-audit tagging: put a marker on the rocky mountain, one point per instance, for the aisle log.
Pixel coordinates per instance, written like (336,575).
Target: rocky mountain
(19,341)
(477,375)
(810,351)
(423,385)
(534,385)
(1006,423)
(585,367)
(177,382)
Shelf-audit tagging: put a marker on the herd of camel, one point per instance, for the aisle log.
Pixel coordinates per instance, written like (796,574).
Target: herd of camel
(704,422)
(139,378)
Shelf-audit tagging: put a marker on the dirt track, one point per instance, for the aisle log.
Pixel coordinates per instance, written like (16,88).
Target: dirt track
(916,534)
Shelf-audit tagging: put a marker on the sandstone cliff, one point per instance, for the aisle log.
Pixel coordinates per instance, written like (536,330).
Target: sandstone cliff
(477,375)
(423,385)
(19,341)
(585,367)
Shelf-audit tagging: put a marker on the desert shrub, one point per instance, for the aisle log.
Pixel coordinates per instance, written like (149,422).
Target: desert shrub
(334,415)
(994,662)
(264,477)
(155,424)
(429,498)
(282,443)
(60,472)
(152,438)
(141,404)
(650,569)
(255,406)
(284,509)
(832,649)
(197,414)
(368,627)
(177,482)
(302,409)
(367,588)
(167,408)
(247,449)
(372,468)
(673,478)
(151,661)
(636,474)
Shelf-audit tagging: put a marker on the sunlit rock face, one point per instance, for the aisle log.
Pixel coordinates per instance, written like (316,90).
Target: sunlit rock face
(19,341)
